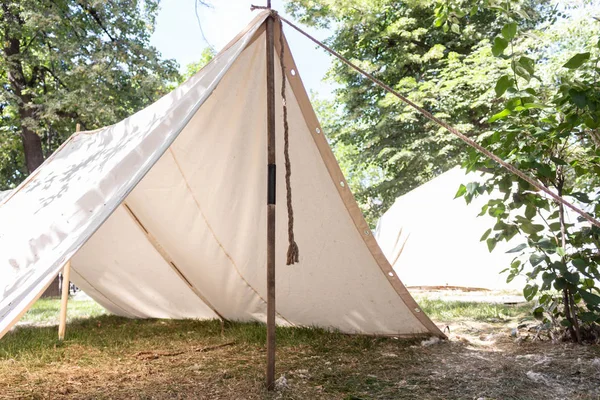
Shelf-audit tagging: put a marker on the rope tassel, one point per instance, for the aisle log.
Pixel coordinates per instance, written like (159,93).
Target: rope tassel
(293,253)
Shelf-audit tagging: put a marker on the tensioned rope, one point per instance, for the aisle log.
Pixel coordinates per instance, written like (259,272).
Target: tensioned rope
(293,253)
(451,129)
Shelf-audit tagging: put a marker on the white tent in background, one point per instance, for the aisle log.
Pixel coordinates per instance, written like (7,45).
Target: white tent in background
(433,240)
(164,214)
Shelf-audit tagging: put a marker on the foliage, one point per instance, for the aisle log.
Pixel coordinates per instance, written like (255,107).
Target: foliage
(546,124)
(72,61)
(191,69)
(387,147)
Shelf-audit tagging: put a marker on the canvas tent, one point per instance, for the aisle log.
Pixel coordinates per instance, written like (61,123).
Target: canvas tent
(443,238)
(163,214)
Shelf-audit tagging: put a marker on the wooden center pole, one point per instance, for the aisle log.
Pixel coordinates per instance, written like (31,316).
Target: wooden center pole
(64,299)
(270,202)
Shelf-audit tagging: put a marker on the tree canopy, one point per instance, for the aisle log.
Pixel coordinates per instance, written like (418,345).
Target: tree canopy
(446,68)
(72,61)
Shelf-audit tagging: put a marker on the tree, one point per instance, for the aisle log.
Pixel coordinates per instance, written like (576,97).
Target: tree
(447,69)
(547,124)
(191,69)
(71,61)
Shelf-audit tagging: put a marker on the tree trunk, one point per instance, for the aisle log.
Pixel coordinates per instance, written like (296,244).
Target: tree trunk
(32,143)
(568,304)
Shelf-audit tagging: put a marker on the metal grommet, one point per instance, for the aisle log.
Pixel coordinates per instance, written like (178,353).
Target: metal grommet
(342,184)
(318,130)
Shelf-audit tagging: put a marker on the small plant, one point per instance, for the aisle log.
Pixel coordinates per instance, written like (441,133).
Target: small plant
(547,127)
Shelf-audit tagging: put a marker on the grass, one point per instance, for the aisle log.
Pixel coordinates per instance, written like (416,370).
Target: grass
(46,311)
(442,310)
(111,357)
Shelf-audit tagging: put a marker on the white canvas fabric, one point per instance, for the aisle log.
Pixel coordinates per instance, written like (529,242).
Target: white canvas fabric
(164,214)
(443,238)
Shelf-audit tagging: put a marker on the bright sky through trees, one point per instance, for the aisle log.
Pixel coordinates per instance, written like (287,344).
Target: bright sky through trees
(178,35)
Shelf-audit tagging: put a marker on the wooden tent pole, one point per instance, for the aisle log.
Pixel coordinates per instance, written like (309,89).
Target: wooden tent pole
(270,202)
(62,324)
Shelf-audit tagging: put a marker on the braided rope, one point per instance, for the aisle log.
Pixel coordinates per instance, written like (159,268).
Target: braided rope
(293,253)
(452,130)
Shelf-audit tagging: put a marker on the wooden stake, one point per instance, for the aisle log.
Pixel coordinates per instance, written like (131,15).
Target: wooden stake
(62,325)
(270,203)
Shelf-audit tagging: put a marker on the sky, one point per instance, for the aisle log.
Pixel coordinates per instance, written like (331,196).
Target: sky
(177,35)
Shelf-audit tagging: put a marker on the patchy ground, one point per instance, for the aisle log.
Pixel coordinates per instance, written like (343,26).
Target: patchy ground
(110,357)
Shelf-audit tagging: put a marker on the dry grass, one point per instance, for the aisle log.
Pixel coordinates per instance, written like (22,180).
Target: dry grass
(111,357)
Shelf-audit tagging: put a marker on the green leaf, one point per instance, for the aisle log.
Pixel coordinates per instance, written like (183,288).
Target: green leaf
(566,323)
(502,114)
(530,228)
(521,71)
(455,28)
(530,106)
(500,44)
(530,291)
(560,284)
(560,251)
(536,259)
(545,170)
(578,98)
(590,299)
(577,60)
(527,63)
(509,31)
(485,235)
(580,264)
(510,277)
(589,316)
(462,189)
(491,244)
(472,187)
(572,277)
(558,161)
(592,121)
(518,248)
(548,277)
(503,84)
(530,211)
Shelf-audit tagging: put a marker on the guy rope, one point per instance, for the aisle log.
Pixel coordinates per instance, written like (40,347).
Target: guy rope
(533,182)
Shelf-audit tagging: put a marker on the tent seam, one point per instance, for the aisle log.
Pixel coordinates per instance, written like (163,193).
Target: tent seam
(215,236)
(73,268)
(168,259)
